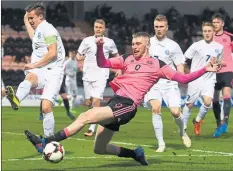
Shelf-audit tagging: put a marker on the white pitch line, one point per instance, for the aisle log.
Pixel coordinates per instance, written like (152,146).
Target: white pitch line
(110,157)
(213,152)
(132,144)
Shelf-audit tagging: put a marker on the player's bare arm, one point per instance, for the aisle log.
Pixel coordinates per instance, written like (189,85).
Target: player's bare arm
(80,57)
(180,68)
(28,26)
(49,56)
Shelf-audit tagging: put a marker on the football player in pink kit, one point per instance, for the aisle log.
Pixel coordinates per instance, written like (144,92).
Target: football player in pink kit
(224,75)
(141,72)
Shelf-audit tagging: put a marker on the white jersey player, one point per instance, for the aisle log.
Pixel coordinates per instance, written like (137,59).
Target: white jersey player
(71,69)
(95,78)
(46,69)
(170,52)
(201,52)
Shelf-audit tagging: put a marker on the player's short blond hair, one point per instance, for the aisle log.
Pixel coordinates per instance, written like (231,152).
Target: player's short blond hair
(207,24)
(100,21)
(161,17)
(144,35)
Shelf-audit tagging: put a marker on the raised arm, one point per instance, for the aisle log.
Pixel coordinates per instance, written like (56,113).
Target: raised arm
(168,73)
(28,26)
(102,62)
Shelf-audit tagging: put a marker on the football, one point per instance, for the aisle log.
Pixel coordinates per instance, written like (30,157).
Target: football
(54,152)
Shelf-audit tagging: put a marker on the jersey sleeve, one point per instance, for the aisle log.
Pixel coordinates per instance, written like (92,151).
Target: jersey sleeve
(113,48)
(178,56)
(117,62)
(82,47)
(168,73)
(190,52)
(50,35)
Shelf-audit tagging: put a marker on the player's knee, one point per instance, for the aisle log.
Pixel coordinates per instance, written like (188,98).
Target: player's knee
(156,109)
(96,102)
(88,102)
(31,77)
(88,117)
(64,96)
(46,107)
(3,92)
(175,112)
(189,105)
(208,103)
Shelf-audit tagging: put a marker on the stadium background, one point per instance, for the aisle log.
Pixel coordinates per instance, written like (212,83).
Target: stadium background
(74,21)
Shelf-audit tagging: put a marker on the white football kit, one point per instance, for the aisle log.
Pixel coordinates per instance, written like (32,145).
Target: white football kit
(71,70)
(95,78)
(50,76)
(201,52)
(169,52)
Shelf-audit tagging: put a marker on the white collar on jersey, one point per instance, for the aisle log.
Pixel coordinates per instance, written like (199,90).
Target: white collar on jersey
(41,24)
(160,42)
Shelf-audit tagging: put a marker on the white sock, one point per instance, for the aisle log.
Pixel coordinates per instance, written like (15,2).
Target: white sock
(48,124)
(180,123)
(92,127)
(158,128)
(72,102)
(186,114)
(222,112)
(23,89)
(202,113)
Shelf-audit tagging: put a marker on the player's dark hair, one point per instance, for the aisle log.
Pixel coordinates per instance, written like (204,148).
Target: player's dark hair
(39,9)
(218,16)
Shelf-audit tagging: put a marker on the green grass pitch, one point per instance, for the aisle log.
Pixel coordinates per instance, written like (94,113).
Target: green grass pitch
(206,152)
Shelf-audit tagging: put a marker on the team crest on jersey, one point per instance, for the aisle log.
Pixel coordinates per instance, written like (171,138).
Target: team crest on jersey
(167,52)
(132,60)
(216,50)
(39,35)
(224,40)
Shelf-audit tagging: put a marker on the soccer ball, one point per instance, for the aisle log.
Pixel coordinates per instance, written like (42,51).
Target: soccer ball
(54,152)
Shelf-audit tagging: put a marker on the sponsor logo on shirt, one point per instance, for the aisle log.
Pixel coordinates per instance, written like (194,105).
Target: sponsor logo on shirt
(216,50)
(224,40)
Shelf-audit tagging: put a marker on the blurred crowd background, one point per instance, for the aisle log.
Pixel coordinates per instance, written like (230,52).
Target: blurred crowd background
(183,28)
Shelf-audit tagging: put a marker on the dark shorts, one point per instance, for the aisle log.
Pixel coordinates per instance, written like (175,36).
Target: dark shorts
(63,86)
(124,109)
(224,80)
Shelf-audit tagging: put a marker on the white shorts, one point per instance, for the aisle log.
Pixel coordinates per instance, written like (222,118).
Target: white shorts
(94,88)
(195,92)
(49,80)
(170,95)
(71,85)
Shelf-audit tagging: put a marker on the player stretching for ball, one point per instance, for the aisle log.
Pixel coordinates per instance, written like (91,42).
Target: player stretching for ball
(169,52)
(200,53)
(46,69)
(141,72)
